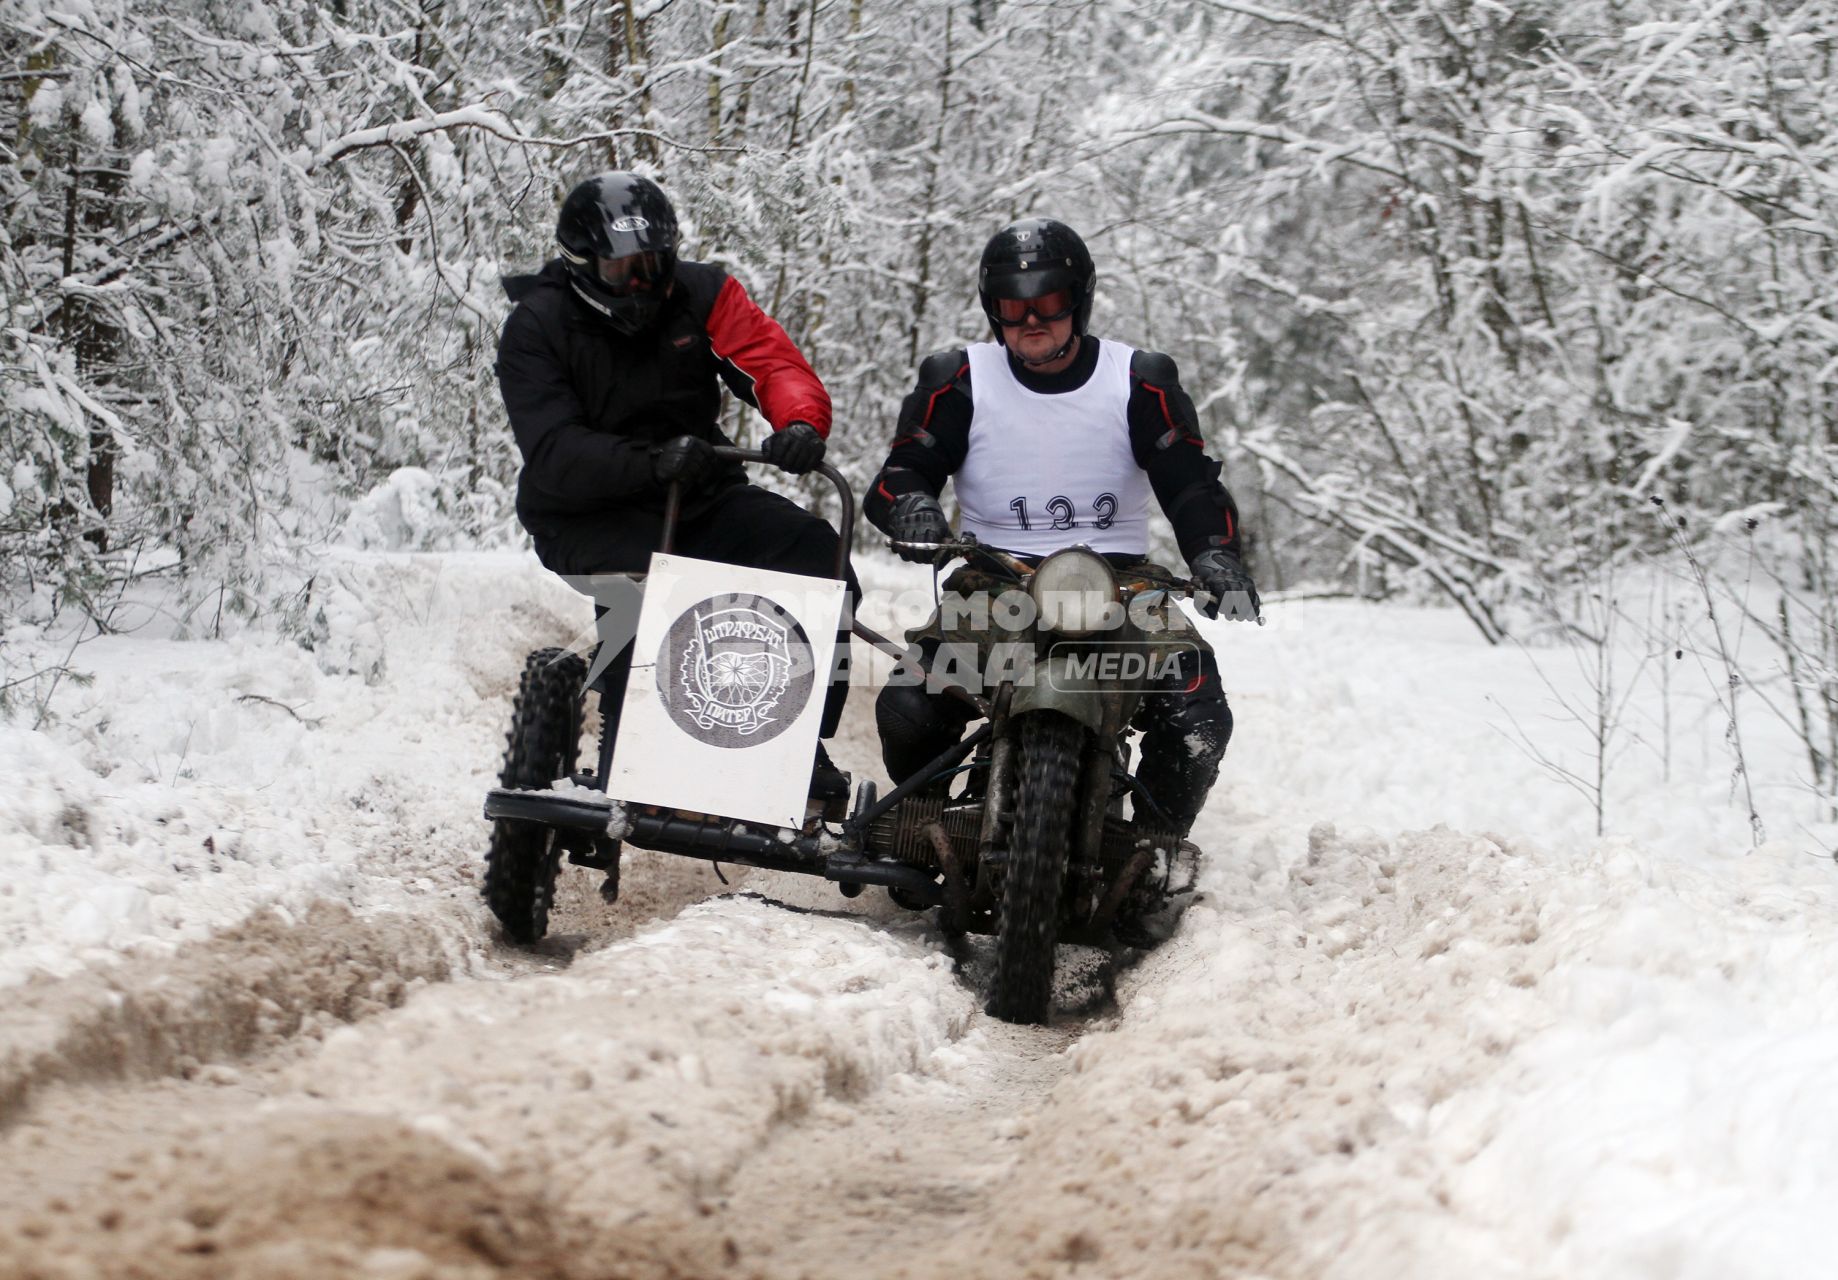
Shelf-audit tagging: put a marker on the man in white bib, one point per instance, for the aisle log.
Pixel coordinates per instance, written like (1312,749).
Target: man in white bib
(1052,438)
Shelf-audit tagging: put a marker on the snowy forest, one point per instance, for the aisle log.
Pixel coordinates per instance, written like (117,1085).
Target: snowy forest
(1510,943)
(1488,304)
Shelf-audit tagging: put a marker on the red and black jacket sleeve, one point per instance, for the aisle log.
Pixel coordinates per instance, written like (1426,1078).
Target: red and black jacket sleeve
(932,438)
(761,363)
(1165,438)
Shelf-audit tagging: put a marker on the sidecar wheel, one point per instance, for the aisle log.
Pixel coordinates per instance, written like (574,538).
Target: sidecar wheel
(545,738)
(1022,988)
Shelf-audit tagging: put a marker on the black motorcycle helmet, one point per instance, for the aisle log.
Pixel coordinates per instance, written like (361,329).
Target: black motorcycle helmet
(1032,258)
(618,236)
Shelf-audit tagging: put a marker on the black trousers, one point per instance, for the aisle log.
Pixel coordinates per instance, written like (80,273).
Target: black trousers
(1185,725)
(743,525)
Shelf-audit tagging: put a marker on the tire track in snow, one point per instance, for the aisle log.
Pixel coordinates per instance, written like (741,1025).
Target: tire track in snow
(329,1197)
(875,1188)
(1258,1107)
(623,1092)
(249,989)
(236,994)
(788,1094)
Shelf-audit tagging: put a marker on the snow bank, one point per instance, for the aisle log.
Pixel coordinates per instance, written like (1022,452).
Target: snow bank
(1669,1113)
(196,781)
(413,510)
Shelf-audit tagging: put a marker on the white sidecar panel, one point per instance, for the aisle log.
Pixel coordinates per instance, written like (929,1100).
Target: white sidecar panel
(729,672)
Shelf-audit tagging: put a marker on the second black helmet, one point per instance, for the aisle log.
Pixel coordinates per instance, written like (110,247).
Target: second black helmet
(618,236)
(1032,258)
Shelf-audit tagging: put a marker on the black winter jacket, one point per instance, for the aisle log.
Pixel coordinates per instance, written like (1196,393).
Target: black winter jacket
(588,404)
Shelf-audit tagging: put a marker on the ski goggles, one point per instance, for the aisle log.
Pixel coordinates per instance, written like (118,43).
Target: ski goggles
(1047,308)
(633,273)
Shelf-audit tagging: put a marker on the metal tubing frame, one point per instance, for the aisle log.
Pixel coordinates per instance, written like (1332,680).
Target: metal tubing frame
(712,840)
(845,540)
(932,682)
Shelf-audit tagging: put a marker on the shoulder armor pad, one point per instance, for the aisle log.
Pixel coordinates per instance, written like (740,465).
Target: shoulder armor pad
(1171,410)
(939,374)
(941,368)
(1154,367)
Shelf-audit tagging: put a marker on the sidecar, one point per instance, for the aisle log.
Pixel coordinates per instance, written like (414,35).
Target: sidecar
(937,841)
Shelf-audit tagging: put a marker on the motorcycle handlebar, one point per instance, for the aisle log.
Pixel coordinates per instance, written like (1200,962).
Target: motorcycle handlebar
(967,546)
(845,542)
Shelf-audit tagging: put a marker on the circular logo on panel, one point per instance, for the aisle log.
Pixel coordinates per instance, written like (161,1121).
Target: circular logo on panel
(735,670)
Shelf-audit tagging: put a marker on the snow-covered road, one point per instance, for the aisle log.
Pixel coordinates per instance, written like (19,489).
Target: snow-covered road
(1422,1023)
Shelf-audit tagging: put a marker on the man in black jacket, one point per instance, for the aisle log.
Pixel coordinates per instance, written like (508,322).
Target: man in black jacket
(1052,438)
(611,368)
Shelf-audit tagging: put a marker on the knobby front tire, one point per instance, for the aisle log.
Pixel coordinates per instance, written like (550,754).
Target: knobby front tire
(1022,989)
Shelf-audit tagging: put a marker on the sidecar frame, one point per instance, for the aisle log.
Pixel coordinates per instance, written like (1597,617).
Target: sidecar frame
(593,823)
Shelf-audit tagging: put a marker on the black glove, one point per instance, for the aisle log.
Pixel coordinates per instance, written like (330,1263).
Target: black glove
(797,449)
(688,460)
(1226,586)
(917,517)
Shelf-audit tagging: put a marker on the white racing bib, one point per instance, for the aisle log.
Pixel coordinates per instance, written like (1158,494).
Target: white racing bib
(1048,471)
